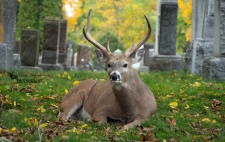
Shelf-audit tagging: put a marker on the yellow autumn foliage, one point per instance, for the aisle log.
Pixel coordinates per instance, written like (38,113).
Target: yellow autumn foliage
(124,19)
(185,7)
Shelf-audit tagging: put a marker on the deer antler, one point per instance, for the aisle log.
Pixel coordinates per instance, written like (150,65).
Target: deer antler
(134,48)
(87,35)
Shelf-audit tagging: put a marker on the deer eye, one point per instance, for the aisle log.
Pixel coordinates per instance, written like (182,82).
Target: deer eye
(125,65)
(108,65)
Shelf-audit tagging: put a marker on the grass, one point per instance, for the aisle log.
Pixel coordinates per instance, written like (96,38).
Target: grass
(189,109)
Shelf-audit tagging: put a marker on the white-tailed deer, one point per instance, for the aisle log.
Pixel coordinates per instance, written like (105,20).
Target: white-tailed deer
(124,97)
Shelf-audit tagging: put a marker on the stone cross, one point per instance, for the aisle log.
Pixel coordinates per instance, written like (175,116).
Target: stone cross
(30,41)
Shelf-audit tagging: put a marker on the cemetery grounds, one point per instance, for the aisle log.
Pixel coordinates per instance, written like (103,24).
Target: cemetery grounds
(189,109)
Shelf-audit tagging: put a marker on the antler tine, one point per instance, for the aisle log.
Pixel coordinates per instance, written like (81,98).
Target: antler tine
(87,35)
(134,48)
(107,47)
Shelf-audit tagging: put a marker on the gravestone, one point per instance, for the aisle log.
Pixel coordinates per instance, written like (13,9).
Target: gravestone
(75,59)
(1,23)
(69,55)
(202,33)
(18,47)
(199,50)
(8,11)
(165,57)
(168,26)
(7,32)
(214,68)
(84,57)
(50,41)
(51,44)
(62,43)
(63,29)
(147,48)
(30,41)
(16,61)
(68,43)
(6,57)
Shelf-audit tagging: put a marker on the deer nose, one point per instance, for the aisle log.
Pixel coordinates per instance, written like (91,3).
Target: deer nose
(115,77)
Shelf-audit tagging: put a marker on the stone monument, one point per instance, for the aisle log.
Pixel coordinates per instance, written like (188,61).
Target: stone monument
(7,32)
(165,57)
(51,44)
(30,42)
(84,57)
(214,68)
(202,35)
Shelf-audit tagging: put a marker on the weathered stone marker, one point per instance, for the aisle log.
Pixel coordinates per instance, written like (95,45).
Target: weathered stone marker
(168,26)
(214,68)
(165,58)
(6,57)
(1,23)
(8,22)
(7,32)
(53,51)
(62,43)
(50,50)
(147,47)
(30,47)
(83,57)
(202,35)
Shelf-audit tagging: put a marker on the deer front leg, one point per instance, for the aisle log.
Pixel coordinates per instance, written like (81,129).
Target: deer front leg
(71,106)
(68,112)
(133,124)
(100,118)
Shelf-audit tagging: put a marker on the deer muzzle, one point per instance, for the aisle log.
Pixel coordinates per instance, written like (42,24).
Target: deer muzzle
(115,76)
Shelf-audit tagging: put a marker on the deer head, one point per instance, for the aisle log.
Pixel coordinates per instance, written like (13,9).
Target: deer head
(119,66)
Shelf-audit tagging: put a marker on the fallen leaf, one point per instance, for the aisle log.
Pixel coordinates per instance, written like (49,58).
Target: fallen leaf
(43,125)
(65,73)
(84,126)
(213,121)
(75,83)
(206,120)
(14,103)
(216,105)
(187,106)
(41,109)
(12,130)
(171,121)
(173,105)
(196,84)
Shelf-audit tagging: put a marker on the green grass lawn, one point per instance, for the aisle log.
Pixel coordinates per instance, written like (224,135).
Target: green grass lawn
(189,109)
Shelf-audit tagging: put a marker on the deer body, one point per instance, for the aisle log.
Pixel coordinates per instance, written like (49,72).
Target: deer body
(124,97)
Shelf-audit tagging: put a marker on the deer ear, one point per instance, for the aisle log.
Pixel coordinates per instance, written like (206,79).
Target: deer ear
(138,56)
(100,56)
